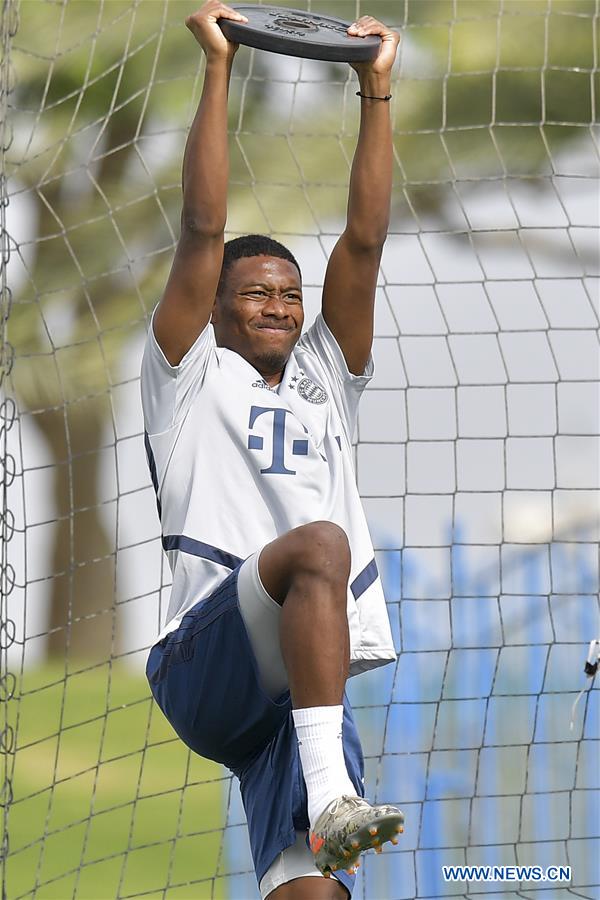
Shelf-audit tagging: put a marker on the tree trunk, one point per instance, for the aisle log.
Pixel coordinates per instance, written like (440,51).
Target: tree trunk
(82,610)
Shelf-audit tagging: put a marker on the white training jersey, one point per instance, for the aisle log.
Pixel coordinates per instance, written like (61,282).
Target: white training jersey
(236,464)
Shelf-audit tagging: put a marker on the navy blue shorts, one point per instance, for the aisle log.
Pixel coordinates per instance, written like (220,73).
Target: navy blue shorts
(204,677)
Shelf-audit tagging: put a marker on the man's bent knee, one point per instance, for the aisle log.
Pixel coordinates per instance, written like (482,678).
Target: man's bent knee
(320,547)
(315,550)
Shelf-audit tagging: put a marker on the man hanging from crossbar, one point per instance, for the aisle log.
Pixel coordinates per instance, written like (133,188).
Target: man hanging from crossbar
(276,598)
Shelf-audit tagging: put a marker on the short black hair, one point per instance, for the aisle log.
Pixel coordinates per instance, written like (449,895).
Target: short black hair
(252,245)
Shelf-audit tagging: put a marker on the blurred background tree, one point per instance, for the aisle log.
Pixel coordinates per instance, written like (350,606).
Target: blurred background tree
(104,95)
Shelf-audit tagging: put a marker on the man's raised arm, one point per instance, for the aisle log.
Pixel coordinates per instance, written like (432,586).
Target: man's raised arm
(186,304)
(351,277)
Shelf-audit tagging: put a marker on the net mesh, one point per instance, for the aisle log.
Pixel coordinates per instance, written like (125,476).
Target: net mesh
(477,453)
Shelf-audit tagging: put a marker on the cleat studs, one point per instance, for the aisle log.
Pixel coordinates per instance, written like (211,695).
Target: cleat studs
(394,840)
(373,829)
(399,829)
(327,873)
(378,849)
(355,844)
(346,853)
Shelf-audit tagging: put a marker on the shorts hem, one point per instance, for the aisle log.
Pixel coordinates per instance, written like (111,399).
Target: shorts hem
(296,863)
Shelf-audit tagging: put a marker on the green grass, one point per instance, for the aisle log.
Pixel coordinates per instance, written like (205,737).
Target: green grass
(107,801)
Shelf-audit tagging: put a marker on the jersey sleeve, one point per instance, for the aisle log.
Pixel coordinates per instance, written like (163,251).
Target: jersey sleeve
(168,391)
(346,388)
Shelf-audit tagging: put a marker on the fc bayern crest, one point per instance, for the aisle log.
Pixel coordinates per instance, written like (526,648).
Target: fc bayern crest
(311,392)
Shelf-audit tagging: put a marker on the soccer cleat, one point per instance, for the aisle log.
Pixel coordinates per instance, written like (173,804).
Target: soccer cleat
(348,827)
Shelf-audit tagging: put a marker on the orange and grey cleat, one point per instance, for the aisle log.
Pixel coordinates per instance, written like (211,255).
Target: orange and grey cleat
(348,827)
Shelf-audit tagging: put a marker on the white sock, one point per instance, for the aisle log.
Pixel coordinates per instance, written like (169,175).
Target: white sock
(319,732)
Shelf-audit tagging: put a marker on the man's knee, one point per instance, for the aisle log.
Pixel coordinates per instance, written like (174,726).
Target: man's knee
(318,550)
(321,549)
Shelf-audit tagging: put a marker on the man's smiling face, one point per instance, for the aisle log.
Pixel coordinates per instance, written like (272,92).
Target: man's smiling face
(259,312)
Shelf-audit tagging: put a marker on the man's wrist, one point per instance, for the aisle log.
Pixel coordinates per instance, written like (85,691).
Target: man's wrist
(375,85)
(219,67)
(218,62)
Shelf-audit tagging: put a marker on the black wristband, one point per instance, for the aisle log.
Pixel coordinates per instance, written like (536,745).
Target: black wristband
(366,97)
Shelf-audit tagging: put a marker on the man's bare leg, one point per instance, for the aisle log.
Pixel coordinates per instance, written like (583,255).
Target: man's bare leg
(306,571)
(310,889)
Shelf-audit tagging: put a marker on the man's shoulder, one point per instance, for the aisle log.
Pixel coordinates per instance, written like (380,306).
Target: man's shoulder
(154,356)
(318,346)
